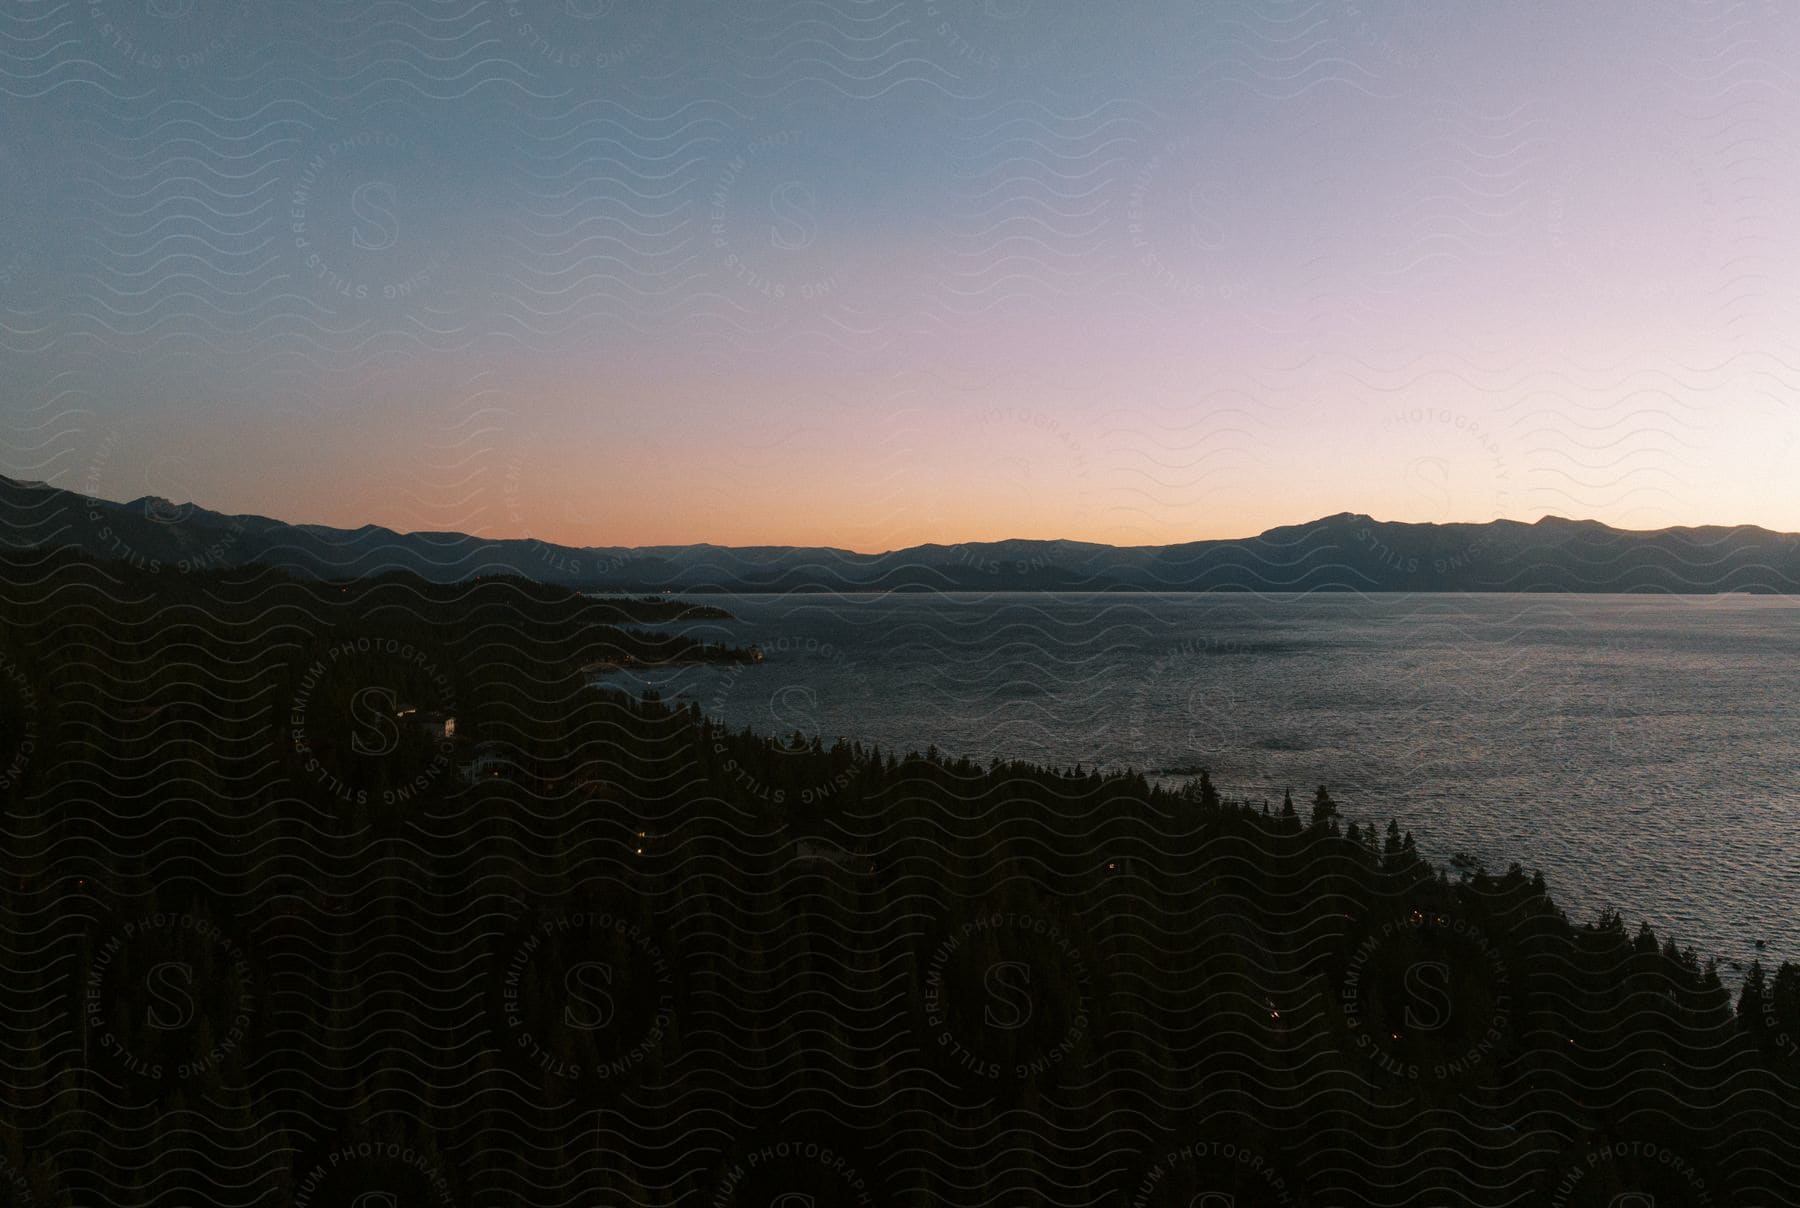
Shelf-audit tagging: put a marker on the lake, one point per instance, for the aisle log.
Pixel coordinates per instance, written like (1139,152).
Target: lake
(1641,750)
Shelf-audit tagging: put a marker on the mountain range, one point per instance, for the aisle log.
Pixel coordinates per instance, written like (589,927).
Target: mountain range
(1344,552)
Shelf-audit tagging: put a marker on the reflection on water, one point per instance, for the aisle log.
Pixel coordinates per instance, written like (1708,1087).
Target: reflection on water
(1642,751)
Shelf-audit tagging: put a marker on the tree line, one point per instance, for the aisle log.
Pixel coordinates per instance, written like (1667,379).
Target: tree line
(272,935)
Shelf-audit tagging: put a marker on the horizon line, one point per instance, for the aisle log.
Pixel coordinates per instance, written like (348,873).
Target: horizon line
(1547,517)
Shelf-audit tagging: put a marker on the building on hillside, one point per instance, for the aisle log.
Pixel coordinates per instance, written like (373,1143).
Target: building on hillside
(488,762)
(434,722)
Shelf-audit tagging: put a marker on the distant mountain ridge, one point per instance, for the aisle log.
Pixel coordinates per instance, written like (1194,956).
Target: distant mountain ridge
(1345,552)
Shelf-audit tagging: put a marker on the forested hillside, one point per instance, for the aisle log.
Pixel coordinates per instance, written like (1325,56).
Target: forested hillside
(276,935)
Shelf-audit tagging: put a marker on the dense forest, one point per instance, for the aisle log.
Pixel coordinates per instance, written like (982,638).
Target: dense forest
(317,891)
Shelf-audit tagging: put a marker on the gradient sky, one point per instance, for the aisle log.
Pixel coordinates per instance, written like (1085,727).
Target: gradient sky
(876,272)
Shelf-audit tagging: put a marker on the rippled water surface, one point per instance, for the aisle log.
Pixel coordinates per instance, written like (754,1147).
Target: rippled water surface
(1641,750)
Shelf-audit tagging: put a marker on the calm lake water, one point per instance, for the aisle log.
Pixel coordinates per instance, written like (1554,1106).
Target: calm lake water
(1642,751)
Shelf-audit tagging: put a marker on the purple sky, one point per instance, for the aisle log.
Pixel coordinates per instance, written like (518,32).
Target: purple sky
(869,274)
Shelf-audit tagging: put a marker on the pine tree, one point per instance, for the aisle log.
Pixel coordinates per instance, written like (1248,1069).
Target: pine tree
(1324,808)
(1751,1003)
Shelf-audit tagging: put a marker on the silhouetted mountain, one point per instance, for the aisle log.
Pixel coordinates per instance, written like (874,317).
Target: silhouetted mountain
(1345,552)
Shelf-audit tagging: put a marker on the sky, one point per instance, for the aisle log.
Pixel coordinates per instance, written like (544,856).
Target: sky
(870,273)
